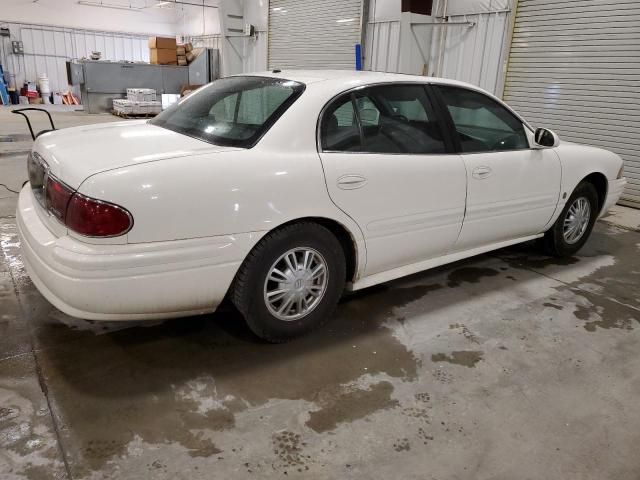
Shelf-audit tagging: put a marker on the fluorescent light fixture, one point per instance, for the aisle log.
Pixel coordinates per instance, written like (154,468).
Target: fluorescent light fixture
(109,5)
(345,20)
(160,4)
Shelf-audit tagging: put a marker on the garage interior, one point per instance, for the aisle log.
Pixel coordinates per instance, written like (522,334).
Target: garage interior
(507,365)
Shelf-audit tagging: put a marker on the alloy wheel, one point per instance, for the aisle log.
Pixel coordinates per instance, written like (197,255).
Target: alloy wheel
(296,283)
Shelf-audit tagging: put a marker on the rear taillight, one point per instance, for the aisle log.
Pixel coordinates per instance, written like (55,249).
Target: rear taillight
(57,196)
(95,218)
(84,215)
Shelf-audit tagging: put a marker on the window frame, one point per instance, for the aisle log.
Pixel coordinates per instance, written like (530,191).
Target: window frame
(447,137)
(451,127)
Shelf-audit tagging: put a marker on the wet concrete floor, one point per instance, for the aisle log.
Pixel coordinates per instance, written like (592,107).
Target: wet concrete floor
(508,365)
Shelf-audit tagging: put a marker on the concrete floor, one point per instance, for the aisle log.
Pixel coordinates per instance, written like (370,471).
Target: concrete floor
(509,365)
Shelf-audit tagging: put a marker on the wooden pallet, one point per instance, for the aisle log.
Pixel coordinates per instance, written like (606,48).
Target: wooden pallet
(133,116)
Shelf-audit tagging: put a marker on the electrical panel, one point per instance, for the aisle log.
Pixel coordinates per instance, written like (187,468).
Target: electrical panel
(17,47)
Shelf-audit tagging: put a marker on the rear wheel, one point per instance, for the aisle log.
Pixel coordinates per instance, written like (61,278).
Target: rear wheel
(290,282)
(574,225)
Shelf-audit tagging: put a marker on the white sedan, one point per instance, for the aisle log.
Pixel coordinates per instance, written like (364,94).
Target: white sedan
(279,189)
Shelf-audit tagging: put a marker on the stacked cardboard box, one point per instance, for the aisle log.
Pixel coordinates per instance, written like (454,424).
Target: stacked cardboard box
(184,52)
(165,51)
(162,51)
(141,94)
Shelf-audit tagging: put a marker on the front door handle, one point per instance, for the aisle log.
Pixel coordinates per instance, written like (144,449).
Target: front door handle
(351,182)
(482,172)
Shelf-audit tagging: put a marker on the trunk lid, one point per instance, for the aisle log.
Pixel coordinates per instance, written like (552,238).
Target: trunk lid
(74,154)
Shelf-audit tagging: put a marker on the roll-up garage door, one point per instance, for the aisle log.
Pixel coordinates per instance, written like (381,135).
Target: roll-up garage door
(313,34)
(574,67)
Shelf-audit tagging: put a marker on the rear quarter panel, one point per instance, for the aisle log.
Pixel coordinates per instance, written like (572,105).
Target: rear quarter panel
(216,194)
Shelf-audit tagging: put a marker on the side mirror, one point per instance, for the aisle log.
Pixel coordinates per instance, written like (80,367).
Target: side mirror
(546,138)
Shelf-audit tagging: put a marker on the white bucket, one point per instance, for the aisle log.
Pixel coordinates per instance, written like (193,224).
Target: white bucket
(43,83)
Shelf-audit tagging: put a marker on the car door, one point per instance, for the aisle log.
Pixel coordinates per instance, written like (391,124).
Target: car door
(389,166)
(512,189)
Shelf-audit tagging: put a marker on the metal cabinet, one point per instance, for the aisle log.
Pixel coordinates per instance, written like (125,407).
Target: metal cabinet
(101,82)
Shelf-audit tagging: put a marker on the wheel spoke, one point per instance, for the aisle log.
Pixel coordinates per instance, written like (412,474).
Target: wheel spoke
(286,305)
(276,295)
(307,300)
(277,275)
(319,270)
(299,303)
(315,291)
(290,264)
(308,257)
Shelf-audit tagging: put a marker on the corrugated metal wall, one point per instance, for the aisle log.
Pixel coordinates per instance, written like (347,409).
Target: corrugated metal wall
(382,52)
(475,54)
(205,41)
(574,67)
(47,49)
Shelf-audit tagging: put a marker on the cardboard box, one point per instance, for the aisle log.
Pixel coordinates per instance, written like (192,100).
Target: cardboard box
(180,50)
(162,42)
(141,94)
(35,101)
(182,60)
(187,89)
(190,56)
(163,56)
(188,46)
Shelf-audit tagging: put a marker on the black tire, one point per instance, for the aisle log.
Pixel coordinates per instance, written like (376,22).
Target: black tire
(247,292)
(554,242)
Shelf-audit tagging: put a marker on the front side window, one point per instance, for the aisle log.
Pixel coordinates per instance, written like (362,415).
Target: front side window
(481,123)
(233,111)
(382,119)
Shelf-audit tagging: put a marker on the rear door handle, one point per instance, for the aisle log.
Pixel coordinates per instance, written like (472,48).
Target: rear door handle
(482,172)
(351,182)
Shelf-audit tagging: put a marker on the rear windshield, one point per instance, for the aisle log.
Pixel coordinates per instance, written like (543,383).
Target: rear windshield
(234,111)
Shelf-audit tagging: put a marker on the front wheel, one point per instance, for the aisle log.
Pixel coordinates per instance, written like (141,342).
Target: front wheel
(574,225)
(290,282)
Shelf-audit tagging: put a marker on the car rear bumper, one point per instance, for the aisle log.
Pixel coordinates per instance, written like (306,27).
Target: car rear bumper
(128,282)
(616,187)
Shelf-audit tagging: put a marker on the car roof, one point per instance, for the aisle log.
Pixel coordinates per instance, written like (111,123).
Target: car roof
(331,82)
(349,77)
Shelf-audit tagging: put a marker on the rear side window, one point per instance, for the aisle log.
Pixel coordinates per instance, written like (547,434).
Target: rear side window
(234,111)
(481,123)
(382,119)
(339,130)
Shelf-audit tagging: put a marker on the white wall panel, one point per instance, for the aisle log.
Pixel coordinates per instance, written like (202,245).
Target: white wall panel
(574,67)
(48,48)
(382,52)
(474,54)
